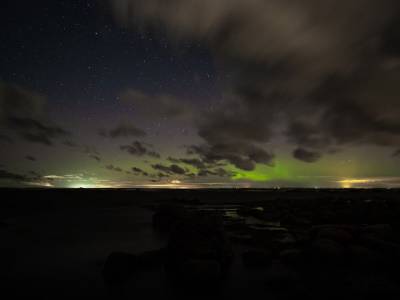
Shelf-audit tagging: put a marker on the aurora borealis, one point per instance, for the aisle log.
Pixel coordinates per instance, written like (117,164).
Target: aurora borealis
(193,94)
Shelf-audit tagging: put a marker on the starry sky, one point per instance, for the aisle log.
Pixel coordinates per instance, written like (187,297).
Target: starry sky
(200,94)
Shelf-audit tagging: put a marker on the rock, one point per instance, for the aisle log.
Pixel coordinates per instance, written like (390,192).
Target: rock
(287,241)
(120,267)
(292,220)
(256,259)
(244,239)
(336,234)
(389,249)
(200,238)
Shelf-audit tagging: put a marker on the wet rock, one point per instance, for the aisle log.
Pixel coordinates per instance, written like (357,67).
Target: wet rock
(293,220)
(288,240)
(244,239)
(256,212)
(256,259)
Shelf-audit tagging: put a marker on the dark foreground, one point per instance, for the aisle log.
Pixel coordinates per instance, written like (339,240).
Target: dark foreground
(278,244)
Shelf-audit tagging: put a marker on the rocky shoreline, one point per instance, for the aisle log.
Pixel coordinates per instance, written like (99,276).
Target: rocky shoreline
(337,248)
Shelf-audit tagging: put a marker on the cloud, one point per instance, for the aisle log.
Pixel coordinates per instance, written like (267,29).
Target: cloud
(35,131)
(30,157)
(172,169)
(21,111)
(95,157)
(220,172)
(139,149)
(113,168)
(137,170)
(157,105)
(5,175)
(306,155)
(6,139)
(205,168)
(123,130)
(18,102)
(242,155)
(322,77)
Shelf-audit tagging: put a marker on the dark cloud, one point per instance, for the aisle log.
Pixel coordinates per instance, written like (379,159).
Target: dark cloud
(195,162)
(18,102)
(123,130)
(396,153)
(30,157)
(323,75)
(172,169)
(95,157)
(90,150)
(162,175)
(35,176)
(137,170)
(36,131)
(113,168)
(139,149)
(242,155)
(21,111)
(220,172)
(209,168)
(5,175)
(306,155)
(6,139)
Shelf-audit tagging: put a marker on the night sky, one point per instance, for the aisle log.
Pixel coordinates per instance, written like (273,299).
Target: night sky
(210,93)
